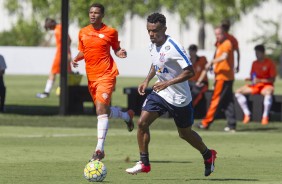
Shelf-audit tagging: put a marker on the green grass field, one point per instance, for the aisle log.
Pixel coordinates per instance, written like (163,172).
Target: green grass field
(39,146)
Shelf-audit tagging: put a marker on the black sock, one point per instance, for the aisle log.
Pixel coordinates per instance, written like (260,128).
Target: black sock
(144,157)
(207,154)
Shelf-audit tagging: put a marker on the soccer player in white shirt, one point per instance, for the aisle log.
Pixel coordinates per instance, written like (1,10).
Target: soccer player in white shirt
(171,93)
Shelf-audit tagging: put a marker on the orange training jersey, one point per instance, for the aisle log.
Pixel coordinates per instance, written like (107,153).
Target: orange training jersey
(233,40)
(95,45)
(224,69)
(58,36)
(198,67)
(264,69)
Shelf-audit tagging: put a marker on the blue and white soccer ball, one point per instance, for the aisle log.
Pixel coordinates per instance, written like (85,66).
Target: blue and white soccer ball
(95,171)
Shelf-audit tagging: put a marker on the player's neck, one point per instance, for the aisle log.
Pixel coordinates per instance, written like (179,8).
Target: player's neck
(97,26)
(162,41)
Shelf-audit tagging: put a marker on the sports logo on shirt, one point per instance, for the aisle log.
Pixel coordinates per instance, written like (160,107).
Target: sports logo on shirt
(264,68)
(167,47)
(105,96)
(160,70)
(162,57)
(101,36)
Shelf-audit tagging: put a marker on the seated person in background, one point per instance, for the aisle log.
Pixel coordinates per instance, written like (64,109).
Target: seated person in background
(263,75)
(198,88)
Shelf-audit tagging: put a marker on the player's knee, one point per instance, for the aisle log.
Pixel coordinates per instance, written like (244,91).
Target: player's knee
(143,125)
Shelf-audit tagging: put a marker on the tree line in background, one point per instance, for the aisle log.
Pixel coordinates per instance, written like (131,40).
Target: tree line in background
(28,31)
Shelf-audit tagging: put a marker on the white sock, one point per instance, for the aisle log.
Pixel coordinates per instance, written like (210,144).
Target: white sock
(242,100)
(102,129)
(48,86)
(117,113)
(267,102)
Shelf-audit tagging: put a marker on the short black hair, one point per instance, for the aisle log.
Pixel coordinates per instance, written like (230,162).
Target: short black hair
(260,48)
(49,22)
(225,24)
(157,17)
(98,5)
(193,47)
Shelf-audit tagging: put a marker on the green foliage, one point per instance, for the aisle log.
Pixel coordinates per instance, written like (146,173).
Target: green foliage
(23,33)
(270,37)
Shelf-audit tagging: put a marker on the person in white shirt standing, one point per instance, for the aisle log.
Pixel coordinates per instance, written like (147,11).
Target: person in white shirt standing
(171,93)
(3,67)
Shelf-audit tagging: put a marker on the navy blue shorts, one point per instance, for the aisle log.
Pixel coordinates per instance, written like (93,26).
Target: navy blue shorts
(183,116)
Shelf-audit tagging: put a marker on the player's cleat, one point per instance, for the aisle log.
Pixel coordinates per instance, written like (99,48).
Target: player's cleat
(246,119)
(209,163)
(130,123)
(138,168)
(42,95)
(98,155)
(264,120)
(228,129)
(201,126)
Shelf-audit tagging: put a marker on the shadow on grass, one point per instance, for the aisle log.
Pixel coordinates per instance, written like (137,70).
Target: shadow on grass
(40,110)
(255,129)
(224,179)
(169,161)
(214,179)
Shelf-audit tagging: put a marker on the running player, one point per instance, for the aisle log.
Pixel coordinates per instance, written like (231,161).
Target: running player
(95,41)
(51,24)
(170,93)
(263,75)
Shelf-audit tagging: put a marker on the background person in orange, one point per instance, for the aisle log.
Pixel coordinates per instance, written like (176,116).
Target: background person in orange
(95,41)
(222,97)
(198,88)
(51,24)
(225,24)
(263,75)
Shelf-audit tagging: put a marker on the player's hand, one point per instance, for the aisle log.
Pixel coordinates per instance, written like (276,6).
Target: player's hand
(199,84)
(160,86)
(237,69)
(141,88)
(121,53)
(74,64)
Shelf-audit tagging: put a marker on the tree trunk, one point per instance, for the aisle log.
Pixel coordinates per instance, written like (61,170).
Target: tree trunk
(202,22)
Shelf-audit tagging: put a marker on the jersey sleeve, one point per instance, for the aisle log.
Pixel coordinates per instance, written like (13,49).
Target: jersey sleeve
(272,70)
(114,42)
(80,44)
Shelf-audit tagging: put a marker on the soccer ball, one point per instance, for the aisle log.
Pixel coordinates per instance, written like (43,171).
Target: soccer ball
(95,171)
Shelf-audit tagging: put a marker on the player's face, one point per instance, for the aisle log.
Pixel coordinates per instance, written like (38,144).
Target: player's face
(156,32)
(95,15)
(220,35)
(259,55)
(192,53)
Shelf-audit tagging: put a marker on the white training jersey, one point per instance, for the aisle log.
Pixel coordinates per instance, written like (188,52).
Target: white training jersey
(169,61)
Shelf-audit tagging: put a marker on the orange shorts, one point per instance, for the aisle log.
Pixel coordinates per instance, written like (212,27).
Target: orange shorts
(56,67)
(102,90)
(257,88)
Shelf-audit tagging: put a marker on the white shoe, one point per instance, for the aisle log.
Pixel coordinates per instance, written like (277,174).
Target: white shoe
(42,95)
(228,129)
(138,168)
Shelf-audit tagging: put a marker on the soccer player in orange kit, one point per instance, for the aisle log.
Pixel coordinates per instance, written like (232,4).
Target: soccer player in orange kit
(263,75)
(95,41)
(51,24)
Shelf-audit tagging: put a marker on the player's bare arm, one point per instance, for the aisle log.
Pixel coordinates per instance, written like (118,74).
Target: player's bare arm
(145,83)
(237,69)
(187,73)
(78,57)
(121,53)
